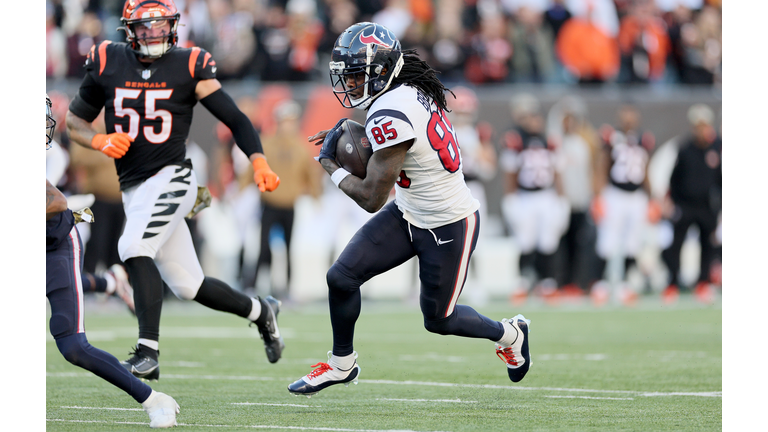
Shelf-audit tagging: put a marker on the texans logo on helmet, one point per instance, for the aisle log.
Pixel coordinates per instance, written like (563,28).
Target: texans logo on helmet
(384,38)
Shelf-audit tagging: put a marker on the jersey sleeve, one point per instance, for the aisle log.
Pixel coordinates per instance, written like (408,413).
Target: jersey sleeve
(201,64)
(387,127)
(90,98)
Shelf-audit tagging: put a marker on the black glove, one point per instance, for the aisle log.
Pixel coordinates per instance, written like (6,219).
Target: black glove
(329,142)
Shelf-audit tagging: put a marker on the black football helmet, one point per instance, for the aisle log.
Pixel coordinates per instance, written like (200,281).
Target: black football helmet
(50,123)
(150,13)
(364,48)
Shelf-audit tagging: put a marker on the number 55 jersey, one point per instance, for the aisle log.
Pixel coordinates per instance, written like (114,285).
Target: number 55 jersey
(151,102)
(430,190)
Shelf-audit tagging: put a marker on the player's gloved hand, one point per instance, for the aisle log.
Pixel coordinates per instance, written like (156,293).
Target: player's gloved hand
(113,145)
(328,151)
(265,178)
(654,211)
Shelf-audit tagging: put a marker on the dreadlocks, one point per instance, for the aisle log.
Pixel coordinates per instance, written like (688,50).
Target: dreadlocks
(417,73)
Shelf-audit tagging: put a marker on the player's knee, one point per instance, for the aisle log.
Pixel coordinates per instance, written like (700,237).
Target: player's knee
(441,326)
(185,291)
(339,279)
(73,348)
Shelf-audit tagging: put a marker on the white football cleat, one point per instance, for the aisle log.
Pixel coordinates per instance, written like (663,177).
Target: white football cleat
(324,376)
(162,410)
(517,356)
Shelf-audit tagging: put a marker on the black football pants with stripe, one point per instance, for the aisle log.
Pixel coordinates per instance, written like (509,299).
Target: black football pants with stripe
(386,241)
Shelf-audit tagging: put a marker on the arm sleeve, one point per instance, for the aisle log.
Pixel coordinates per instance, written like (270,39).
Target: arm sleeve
(221,105)
(89,100)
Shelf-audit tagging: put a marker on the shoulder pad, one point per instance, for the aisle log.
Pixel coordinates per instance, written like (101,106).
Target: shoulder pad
(201,64)
(97,57)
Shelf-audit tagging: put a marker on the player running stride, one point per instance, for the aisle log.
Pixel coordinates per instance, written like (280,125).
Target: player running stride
(148,88)
(64,288)
(433,216)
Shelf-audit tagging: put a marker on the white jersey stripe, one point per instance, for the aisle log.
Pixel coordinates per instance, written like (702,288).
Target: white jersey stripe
(461,277)
(75,238)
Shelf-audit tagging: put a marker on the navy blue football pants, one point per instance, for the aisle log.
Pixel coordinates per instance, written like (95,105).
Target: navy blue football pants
(64,291)
(388,240)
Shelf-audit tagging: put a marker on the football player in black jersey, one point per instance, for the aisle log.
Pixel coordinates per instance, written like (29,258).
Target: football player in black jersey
(63,287)
(148,88)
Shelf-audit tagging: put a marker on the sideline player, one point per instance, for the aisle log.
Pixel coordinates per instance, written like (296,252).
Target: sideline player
(433,216)
(149,88)
(63,287)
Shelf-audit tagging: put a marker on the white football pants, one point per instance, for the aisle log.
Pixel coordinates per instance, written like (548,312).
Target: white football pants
(622,227)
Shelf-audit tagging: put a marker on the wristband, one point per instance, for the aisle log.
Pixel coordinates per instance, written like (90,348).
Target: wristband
(339,175)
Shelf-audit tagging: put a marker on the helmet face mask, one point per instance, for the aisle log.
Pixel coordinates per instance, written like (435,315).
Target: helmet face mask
(368,55)
(50,123)
(141,21)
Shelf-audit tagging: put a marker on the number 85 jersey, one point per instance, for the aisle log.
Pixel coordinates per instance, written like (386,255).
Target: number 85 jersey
(430,190)
(151,102)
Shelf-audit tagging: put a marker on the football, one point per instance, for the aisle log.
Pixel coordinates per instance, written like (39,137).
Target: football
(353,148)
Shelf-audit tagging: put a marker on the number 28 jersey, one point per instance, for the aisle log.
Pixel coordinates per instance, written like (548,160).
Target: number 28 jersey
(430,190)
(151,102)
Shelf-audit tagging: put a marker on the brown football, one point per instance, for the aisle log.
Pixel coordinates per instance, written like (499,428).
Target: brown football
(353,148)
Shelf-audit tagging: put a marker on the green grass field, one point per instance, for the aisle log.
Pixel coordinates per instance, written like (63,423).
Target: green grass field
(649,368)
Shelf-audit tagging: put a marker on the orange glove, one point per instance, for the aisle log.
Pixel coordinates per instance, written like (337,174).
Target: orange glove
(597,209)
(265,178)
(113,145)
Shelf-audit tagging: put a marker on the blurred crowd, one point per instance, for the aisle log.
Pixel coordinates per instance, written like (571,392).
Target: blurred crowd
(593,211)
(468,41)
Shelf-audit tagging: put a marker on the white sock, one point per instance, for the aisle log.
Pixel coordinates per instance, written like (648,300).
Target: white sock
(509,337)
(255,310)
(149,400)
(344,363)
(111,283)
(155,345)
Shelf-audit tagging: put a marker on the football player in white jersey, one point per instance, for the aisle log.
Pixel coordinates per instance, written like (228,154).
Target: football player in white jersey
(433,215)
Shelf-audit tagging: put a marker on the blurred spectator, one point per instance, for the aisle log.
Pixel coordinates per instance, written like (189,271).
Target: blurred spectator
(601,13)
(478,155)
(556,15)
(337,16)
(695,191)
(490,50)
(448,50)
(532,206)
(587,51)
(196,29)
(234,43)
(87,34)
(701,48)
(568,124)
(287,152)
(644,43)
(396,16)
(532,42)
(621,207)
(55,44)
(288,41)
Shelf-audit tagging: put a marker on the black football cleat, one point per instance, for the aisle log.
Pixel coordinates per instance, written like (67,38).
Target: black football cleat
(270,333)
(324,376)
(517,357)
(142,365)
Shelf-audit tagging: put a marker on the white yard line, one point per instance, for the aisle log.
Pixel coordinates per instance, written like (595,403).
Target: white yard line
(101,408)
(274,404)
(420,383)
(245,426)
(425,400)
(586,397)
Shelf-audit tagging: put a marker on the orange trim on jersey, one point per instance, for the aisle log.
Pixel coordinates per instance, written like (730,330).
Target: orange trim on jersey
(206,58)
(103,56)
(192,60)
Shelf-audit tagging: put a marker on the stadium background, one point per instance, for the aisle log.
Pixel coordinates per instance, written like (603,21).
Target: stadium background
(256,43)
